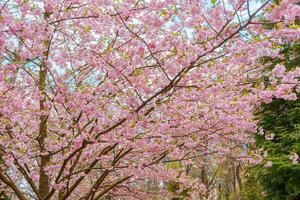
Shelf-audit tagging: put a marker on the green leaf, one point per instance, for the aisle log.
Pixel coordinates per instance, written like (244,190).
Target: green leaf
(214,2)
(277,2)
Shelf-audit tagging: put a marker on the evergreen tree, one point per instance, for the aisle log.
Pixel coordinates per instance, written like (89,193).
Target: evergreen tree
(280,120)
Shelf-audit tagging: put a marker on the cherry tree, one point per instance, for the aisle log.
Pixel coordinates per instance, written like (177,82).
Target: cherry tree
(98,96)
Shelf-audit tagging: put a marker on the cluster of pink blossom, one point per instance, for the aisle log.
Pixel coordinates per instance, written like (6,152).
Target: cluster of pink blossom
(294,158)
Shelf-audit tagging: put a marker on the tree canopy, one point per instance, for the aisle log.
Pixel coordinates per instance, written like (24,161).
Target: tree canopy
(116,99)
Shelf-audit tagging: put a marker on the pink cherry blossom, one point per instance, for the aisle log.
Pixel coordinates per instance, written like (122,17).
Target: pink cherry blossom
(270,136)
(269,164)
(294,158)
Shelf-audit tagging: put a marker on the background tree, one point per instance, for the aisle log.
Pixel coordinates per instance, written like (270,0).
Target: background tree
(278,176)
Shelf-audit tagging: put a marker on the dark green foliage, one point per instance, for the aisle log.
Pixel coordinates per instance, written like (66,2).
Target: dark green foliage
(252,189)
(282,118)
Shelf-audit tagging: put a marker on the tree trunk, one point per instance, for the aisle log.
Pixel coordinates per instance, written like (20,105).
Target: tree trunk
(44,178)
(239,180)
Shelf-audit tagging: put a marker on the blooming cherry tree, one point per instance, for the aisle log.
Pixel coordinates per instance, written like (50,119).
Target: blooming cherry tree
(98,96)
